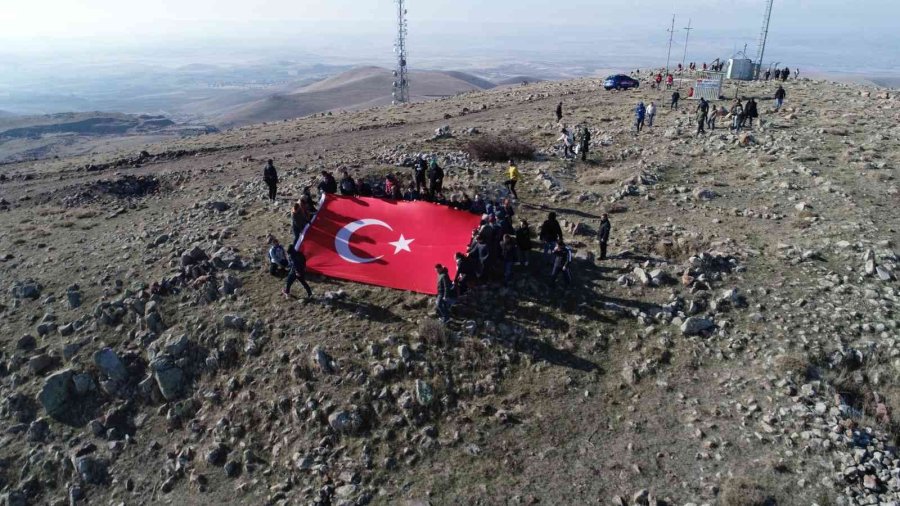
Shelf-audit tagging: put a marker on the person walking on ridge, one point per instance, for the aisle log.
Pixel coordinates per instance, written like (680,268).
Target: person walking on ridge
(605,228)
(510,183)
(270,177)
(585,143)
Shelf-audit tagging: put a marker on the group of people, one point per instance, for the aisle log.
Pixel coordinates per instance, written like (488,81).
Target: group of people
(782,74)
(497,246)
(571,145)
(643,114)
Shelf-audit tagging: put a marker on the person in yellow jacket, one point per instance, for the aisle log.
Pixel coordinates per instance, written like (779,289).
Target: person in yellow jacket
(513,179)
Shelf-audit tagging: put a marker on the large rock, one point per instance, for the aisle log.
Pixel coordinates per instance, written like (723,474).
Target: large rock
(704,194)
(696,325)
(346,421)
(111,365)
(26,290)
(57,393)
(169,377)
(90,469)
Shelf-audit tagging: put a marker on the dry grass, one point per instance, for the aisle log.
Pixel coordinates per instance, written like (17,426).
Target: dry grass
(793,366)
(500,149)
(746,491)
(433,332)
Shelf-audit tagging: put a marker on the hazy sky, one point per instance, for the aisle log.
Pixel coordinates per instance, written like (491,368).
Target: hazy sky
(806,30)
(28,20)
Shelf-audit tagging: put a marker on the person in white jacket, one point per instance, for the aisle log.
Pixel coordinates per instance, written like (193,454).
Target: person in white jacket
(568,143)
(651,113)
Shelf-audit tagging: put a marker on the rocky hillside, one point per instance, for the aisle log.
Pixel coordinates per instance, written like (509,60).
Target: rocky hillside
(738,348)
(355,89)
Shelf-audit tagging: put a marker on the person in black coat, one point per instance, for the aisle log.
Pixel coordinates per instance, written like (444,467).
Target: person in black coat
(550,233)
(605,227)
(270,177)
(298,272)
(524,241)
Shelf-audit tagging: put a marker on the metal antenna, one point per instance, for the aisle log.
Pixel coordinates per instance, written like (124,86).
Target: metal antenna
(401,77)
(671,34)
(688,34)
(763,35)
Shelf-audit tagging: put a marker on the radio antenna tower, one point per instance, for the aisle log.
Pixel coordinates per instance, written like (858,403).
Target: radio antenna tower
(687,29)
(671,34)
(401,77)
(763,35)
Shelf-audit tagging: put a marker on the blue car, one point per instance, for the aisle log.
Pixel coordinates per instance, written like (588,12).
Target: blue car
(620,82)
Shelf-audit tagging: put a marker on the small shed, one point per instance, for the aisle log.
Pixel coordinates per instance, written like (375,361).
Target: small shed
(741,69)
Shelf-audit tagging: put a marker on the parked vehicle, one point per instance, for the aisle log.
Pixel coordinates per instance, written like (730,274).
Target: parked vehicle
(620,82)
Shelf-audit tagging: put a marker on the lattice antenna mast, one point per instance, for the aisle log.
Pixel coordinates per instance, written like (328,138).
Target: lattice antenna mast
(401,75)
(763,35)
(687,29)
(671,34)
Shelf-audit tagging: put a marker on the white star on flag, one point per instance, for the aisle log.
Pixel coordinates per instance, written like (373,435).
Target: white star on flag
(401,244)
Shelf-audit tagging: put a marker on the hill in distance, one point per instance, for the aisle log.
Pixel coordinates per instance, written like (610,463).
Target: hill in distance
(358,88)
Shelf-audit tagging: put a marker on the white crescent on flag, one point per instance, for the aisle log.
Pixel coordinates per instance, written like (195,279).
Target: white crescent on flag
(344,235)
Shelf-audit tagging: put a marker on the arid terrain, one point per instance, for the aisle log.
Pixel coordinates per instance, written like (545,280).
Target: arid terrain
(739,347)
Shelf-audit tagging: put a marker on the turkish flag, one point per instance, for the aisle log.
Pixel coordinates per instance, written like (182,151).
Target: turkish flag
(385,242)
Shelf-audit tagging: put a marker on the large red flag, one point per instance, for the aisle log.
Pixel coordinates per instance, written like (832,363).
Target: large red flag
(385,242)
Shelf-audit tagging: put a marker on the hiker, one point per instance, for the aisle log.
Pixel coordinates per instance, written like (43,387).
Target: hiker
(779,97)
(348,186)
(785,73)
(363,188)
(327,184)
(658,79)
(510,255)
(713,115)
(702,112)
(768,74)
(559,112)
(568,142)
(419,170)
(562,257)
(737,115)
(436,177)
(585,143)
(464,272)
(444,292)
(480,253)
(550,233)
(513,179)
(796,74)
(306,196)
(524,243)
(603,234)
(278,262)
(675,97)
(669,81)
(750,111)
(392,189)
(299,218)
(651,114)
(298,272)
(639,112)
(270,177)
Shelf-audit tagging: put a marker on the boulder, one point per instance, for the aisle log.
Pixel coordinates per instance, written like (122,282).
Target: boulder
(234,322)
(169,377)
(346,421)
(110,365)
(696,325)
(57,393)
(704,194)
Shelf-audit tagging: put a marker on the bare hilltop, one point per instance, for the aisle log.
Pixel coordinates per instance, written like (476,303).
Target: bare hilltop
(738,347)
